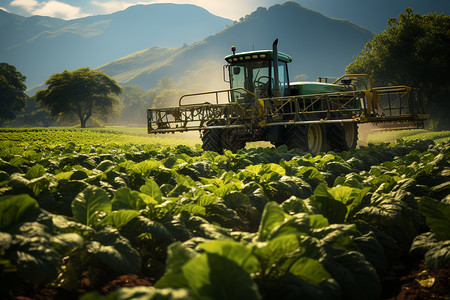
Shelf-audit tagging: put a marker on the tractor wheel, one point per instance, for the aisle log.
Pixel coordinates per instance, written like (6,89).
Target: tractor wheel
(310,138)
(212,138)
(230,139)
(231,145)
(342,137)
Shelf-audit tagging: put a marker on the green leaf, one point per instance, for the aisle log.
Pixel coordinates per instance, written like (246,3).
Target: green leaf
(142,225)
(125,198)
(373,251)
(67,242)
(177,257)
(38,185)
(356,277)
(152,189)
(272,216)
(37,262)
(334,210)
(17,209)
(88,203)
(423,243)
(237,252)
(292,287)
(438,256)
(310,270)
(318,221)
(119,218)
(437,216)
(279,254)
(35,172)
(211,276)
(391,216)
(297,225)
(106,165)
(115,251)
(146,167)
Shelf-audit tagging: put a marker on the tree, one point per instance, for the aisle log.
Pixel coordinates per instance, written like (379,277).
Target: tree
(82,93)
(12,92)
(414,51)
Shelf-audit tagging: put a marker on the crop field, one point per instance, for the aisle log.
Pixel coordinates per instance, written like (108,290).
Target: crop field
(117,214)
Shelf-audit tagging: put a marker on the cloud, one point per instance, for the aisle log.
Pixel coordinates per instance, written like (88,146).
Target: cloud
(4,9)
(59,10)
(51,8)
(28,5)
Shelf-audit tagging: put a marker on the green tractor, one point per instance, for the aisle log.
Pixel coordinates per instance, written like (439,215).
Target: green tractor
(263,105)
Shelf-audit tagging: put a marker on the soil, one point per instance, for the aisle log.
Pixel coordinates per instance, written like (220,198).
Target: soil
(418,282)
(404,287)
(126,280)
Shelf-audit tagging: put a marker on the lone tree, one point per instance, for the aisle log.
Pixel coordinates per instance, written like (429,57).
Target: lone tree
(12,92)
(82,92)
(413,50)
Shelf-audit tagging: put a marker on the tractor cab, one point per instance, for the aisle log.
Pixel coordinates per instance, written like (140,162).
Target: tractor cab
(254,72)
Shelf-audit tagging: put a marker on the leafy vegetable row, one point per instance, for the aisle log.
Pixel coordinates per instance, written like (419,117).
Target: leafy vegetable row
(329,226)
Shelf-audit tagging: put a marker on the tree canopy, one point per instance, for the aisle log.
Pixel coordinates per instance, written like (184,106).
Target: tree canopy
(414,51)
(83,93)
(12,92)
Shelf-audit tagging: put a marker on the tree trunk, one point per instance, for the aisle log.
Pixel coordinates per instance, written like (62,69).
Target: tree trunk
(84,118)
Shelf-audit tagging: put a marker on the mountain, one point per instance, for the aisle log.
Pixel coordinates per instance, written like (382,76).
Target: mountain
(40,46)
(319,45)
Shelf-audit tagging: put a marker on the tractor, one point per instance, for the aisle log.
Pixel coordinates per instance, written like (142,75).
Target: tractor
(262,104)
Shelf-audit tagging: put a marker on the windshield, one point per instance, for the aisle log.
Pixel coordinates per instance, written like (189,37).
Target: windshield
(252,76)
(256,77)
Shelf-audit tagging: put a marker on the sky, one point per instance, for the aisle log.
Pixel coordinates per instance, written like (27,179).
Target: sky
(378,11)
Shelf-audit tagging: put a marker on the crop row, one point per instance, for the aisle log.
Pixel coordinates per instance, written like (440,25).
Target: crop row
(255,224)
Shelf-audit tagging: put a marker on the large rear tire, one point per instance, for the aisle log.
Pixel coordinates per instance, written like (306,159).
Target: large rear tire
(342,137)
(212,138)
(228,144)
(309,138)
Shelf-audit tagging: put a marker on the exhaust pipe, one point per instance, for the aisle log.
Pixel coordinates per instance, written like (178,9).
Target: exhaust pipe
(276,91)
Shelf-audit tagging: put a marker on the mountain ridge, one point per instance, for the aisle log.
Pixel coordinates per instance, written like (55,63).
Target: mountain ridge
(56,44)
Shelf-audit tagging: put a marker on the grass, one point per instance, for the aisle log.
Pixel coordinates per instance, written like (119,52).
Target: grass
(94,136)
(413,134)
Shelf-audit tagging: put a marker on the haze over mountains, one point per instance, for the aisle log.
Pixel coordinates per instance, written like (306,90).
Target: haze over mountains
(40,46)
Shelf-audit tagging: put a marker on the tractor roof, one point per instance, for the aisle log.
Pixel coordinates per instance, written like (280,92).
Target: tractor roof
(261,54)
